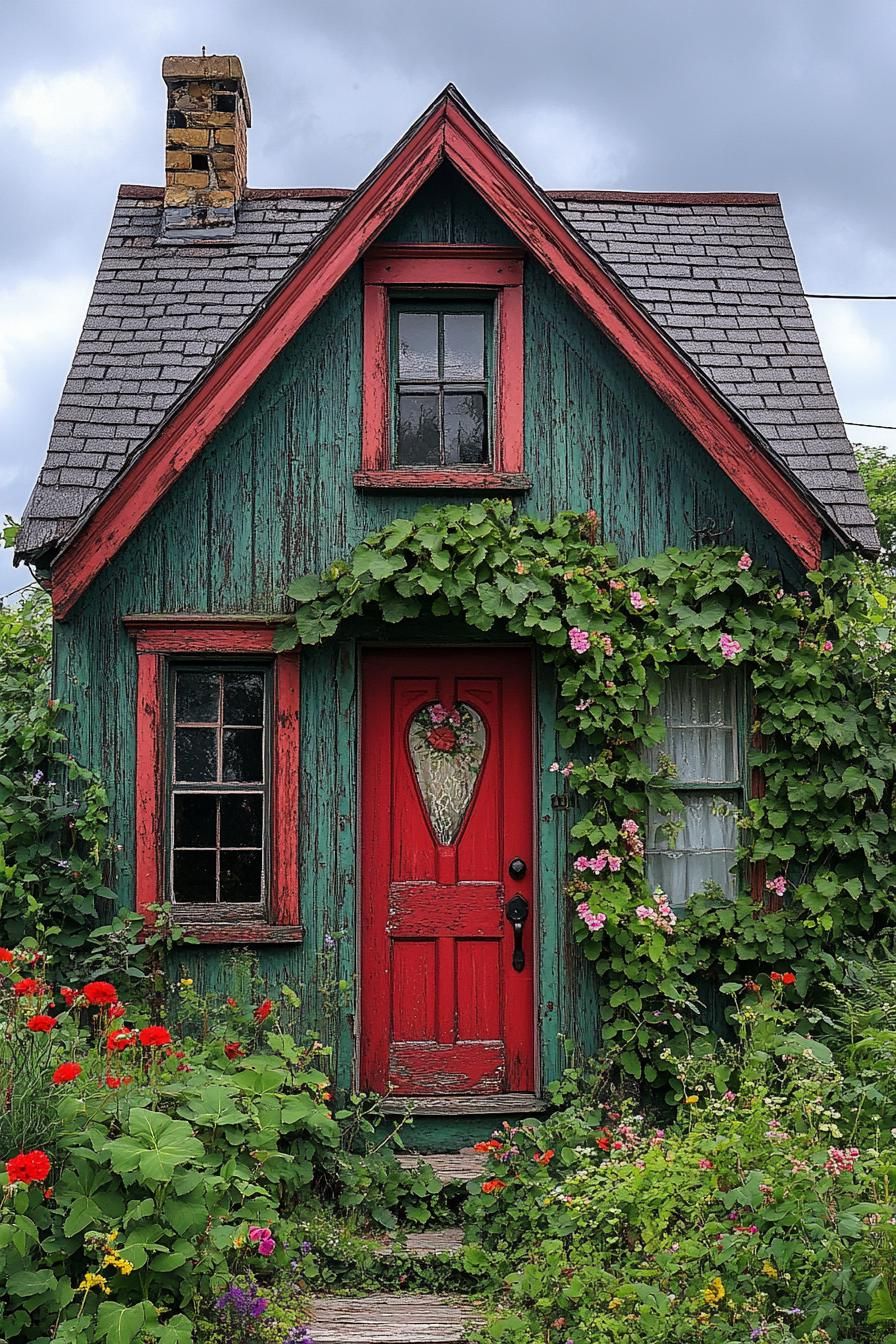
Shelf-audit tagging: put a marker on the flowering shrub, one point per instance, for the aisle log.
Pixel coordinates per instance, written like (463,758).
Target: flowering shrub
(762,1211)
(142,1173)
(820,666)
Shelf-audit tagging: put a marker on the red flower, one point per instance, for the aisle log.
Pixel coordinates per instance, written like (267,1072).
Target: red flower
(117,1010)
(263,1010)
(112,1081)
(543,1158)
(492,1187)
(155,1036)
(100,992)
(122,1038)
(28,989)
(442,738)
(231,1003)
(604,1144)
(66,1073)
(28,1167)
(5,954)
(40,1022)
(776,975)
(233,1049)
(68,995)
(487,1146)
(788,978)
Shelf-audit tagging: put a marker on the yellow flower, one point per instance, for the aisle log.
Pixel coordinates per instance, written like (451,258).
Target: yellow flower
(238,1243)
(186,983)
(116,1261)
(614,1303)
(93,1281)
(769,1269)
(714,1292)
(691,1101)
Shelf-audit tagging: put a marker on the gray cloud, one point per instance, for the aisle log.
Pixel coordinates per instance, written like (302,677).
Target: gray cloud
(675,94)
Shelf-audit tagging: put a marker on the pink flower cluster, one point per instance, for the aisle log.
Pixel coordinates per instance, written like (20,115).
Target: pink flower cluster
(594,922)
(745,561)
(729,646)
(263,1240)
(637,600)
(629,830)
(662,916)
(777,884)
(841,1160)
(827,646)
(579,640)
(616,585)
(565,770)
(597,864)
(439,714)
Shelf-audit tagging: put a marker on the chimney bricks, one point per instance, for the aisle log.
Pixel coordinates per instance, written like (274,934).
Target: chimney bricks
(205,146)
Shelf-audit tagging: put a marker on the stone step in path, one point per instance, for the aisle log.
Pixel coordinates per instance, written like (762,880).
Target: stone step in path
(432,1241)
(465,1165)
(389,1318)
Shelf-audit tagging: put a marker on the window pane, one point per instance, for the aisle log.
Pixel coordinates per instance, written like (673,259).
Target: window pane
(243,755)
(194,875)
(241,875)
(701,733)
(464,347)
(194,820)
(418,429)
(418,345)
(465,427)
(241,819)
(243,697)
(195,754)
(704,849)
(196,697)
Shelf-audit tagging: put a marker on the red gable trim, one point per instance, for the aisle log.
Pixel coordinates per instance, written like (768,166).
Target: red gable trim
(445,132)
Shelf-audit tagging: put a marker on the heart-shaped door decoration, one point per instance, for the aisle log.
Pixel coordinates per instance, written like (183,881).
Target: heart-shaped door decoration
(447,748)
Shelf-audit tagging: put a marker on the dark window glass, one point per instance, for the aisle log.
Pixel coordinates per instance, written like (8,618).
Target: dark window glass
(195,820)
(241,875)
(194,875)
(195,754)
(442,385)
(244,697)
(418,429)
(197,697)
(243,755)
(219,798)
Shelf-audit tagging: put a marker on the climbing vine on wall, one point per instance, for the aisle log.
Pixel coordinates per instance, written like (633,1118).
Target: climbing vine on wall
(823,691)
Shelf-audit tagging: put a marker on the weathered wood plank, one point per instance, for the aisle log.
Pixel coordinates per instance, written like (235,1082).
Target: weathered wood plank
(389,1318)
(498,1103)
(465,1165)
(434,1241)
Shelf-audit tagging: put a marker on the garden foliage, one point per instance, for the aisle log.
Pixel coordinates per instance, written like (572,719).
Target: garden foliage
(818,835)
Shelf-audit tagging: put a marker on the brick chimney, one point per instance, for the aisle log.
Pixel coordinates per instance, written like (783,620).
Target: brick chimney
(205,146)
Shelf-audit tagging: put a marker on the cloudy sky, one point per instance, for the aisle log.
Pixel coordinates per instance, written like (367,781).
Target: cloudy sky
(793,96)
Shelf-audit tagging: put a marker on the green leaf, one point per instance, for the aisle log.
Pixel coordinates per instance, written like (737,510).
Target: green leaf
(119,1325)
(155,1146)
(30,1282)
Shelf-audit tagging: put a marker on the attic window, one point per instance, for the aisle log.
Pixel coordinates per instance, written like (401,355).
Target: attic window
(442,369)
(441,395)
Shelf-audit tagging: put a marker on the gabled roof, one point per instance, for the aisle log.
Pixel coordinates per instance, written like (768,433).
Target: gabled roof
(706,288)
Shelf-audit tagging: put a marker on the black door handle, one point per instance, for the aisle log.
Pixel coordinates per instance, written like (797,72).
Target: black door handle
(518,912)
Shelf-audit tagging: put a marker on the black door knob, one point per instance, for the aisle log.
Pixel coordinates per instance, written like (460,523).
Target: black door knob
(517,869)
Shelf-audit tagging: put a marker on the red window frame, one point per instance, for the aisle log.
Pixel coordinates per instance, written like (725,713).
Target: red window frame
(447,266)
(157,639)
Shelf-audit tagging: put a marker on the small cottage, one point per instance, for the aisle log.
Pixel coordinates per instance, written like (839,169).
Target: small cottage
(264,378)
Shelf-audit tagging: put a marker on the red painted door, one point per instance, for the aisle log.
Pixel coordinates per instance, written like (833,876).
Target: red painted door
(446,802)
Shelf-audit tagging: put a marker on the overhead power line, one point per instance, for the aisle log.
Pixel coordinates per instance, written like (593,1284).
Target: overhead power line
(865,424)
(865,298)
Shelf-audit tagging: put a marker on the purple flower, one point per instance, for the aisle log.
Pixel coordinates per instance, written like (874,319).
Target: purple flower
(238,1301)
(306,1248)
(297,1334)
(329,942)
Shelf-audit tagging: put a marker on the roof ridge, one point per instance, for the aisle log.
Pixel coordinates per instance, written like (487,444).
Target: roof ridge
(133,191)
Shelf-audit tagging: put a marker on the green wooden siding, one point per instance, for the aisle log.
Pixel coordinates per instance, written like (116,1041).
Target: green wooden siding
(272,497)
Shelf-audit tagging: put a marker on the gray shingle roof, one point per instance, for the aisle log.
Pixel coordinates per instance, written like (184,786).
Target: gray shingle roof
(717,273)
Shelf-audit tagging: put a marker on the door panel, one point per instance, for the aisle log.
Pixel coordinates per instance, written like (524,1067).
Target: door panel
(446,803)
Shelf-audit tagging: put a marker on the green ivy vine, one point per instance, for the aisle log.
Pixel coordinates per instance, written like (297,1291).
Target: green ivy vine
(820,670)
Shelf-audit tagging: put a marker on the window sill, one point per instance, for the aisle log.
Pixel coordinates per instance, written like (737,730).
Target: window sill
(430,478)
(247,932)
